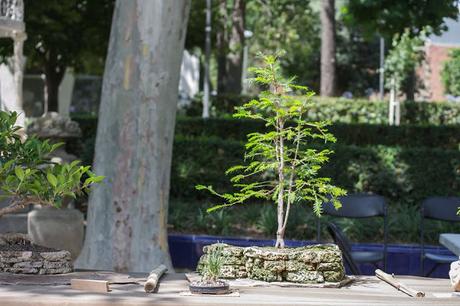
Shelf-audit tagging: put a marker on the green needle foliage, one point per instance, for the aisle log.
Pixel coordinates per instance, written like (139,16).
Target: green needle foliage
(27,176)
(281,166)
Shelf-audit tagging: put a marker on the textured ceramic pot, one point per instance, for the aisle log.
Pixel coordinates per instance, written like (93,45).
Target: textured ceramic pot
(61,229)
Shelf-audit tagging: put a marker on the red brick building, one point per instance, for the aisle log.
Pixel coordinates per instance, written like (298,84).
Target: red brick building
(437,50)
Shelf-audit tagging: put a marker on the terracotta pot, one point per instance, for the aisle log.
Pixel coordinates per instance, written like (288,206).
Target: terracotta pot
(61,229)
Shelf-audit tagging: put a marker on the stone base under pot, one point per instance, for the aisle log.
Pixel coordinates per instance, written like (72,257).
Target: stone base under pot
(19,255)
(310,264)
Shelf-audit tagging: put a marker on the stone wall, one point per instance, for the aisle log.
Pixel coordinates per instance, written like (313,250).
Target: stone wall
(19,255)
(31,262)
(309,264)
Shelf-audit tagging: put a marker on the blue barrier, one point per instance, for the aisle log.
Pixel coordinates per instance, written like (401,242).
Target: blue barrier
(403,259)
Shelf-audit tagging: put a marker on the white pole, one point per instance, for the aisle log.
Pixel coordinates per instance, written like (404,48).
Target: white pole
(382,69)
(391,112)
(207,60)
(247,36)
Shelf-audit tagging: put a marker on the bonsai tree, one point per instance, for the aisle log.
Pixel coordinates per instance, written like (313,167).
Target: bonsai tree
(27,176)
(282,164)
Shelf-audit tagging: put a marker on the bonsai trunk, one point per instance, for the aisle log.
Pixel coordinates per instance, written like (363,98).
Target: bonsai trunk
(281,228)
(17,205)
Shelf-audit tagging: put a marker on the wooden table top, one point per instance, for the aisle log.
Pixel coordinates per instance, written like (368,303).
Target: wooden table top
(364,291)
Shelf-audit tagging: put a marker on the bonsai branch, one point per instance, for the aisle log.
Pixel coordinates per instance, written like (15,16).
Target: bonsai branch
(19,204)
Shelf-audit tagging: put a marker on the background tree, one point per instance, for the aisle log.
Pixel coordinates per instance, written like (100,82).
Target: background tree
(61,34)
(328,74)
(390,17)
(451,73)
(405,55)
(299,37)
(230,44)
(127,216)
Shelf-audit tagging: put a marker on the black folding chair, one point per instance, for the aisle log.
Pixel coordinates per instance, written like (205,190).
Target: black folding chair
(357,206)
(437,208)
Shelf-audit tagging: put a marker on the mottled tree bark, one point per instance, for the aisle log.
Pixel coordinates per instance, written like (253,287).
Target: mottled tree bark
(328,74)
(127,215)
(53,78)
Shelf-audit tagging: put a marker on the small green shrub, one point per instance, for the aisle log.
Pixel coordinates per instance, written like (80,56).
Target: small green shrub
(27,175)
(212,266)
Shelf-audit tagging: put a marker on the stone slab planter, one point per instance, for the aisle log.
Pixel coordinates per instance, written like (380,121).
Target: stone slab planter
(61,229)
(19,255)
(310,264)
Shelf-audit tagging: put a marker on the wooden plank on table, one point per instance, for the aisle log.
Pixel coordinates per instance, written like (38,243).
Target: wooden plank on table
(89,285)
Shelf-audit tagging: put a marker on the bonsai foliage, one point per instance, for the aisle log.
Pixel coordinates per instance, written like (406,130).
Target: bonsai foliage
(27,176)
(451,73)
(281,165)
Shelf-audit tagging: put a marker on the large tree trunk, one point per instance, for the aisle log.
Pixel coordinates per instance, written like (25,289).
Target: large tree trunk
(127,215)
(54,74)
(328,75)
(222,46)
(229,76)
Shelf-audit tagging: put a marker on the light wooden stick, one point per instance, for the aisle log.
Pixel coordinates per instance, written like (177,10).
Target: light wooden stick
(401,287)
(89,285)
(154,277)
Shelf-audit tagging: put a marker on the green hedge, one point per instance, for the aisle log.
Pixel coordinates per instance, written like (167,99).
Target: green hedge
(360,134)
(350,111)
(413,163)
(403,175)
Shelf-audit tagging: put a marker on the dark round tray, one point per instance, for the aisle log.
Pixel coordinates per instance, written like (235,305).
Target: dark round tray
(222,289)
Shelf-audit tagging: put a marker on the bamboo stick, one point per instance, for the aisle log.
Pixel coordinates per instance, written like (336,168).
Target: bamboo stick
(400,286)
(153,278)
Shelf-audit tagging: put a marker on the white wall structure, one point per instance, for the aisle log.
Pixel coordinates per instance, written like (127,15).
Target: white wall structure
(65,92)
(12,26)
(8,93)
(189,78)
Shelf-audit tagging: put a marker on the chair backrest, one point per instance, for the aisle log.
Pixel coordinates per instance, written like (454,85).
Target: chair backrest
(344,245)
(357,206)
(441,208)
(436,208)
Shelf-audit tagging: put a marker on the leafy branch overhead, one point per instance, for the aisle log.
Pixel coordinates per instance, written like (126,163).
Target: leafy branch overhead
(281,164)
(27,176)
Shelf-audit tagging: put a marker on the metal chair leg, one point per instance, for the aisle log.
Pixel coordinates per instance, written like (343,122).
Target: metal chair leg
(432,269)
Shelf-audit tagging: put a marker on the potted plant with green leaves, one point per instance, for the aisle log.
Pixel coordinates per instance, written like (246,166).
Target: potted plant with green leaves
(282,163)
(210,282)
(29,177)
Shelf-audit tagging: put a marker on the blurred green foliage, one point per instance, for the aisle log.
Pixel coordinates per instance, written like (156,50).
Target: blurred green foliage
(451,73)
(405,164)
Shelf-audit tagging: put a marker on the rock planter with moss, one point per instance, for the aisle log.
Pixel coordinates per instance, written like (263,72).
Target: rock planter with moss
(309,264)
